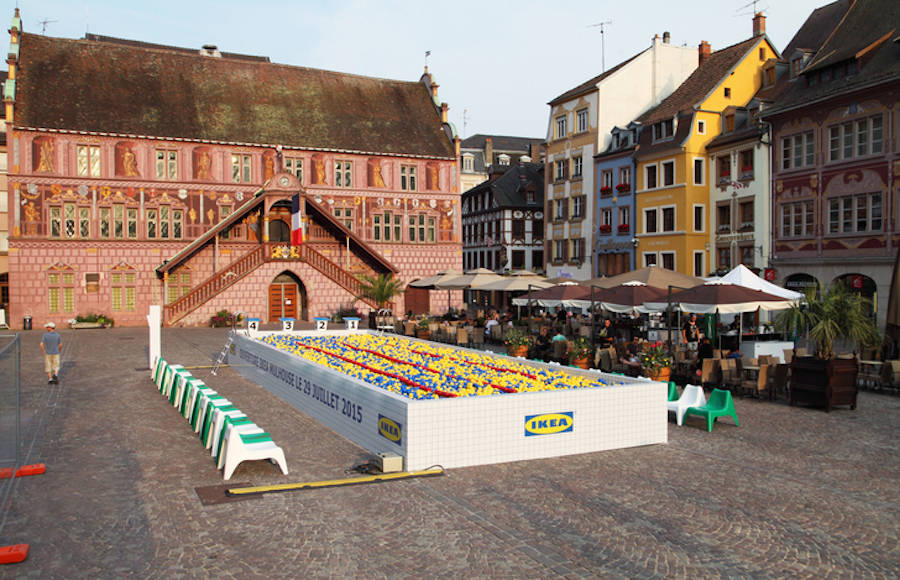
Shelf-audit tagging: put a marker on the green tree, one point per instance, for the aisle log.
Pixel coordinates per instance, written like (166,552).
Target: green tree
(380,289)
(837,313)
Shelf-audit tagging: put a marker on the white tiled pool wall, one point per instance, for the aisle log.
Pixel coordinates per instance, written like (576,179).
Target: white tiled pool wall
(464,431)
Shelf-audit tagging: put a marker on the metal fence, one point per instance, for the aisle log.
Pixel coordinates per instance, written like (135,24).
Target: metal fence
(10,419)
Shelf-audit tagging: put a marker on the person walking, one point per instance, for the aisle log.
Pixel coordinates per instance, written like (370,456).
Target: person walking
(51,342)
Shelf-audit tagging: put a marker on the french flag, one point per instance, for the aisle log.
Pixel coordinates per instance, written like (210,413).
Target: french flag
(296,221)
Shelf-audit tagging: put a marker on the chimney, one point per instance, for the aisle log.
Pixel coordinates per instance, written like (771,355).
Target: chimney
(444,108)
(666,37)
(704,52)
(759,24)
(434,88)
(488,151)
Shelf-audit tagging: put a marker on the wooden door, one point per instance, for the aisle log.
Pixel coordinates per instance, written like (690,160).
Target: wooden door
(282,301)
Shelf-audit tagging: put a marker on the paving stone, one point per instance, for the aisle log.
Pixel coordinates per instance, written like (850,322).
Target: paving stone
(793,492)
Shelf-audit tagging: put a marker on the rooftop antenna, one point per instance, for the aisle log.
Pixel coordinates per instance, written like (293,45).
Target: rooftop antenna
(465,121)
(44,24)
(427,54)
(602,43)
(752,3)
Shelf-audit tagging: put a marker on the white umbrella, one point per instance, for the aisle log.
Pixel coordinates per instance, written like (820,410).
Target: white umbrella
(515,283)
(470,279)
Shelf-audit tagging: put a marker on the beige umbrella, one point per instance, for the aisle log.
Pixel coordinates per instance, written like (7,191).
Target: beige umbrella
(654,276)
(519,281)
(470,279)
(430,282)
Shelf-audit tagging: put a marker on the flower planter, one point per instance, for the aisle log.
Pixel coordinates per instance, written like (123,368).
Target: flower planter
(521,350)
(824,382)
(582,363)
(663,375)
(423,334)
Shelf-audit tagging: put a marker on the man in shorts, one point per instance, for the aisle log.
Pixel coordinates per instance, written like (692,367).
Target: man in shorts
(50,345)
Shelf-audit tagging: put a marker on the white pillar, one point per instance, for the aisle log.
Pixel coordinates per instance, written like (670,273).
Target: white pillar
(154,321)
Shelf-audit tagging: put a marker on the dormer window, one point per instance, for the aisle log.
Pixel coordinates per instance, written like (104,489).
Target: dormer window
(664,130)
(729,123)
(796,65)
(626,140)
(468,163)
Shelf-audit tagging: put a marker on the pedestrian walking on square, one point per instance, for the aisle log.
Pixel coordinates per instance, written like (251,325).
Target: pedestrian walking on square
(50,345)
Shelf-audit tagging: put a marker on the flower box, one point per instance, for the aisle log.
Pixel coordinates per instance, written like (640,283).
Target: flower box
(624,227)
(605,228)
(605,190)
(623,187)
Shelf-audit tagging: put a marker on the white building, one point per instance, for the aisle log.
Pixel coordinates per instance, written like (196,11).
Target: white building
(579,127)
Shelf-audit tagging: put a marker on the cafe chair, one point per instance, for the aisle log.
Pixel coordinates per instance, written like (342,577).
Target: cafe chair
(720,404)
(692,396)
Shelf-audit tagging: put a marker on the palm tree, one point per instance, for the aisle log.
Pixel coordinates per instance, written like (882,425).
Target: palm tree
(838,313)
(380,289)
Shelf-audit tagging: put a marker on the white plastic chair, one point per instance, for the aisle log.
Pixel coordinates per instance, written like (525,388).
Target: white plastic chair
(240,447)
(692,396)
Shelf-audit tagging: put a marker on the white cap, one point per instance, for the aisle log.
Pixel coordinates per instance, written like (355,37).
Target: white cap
(50,325)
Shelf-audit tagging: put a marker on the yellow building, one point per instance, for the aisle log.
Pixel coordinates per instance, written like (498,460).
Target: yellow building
(673,199)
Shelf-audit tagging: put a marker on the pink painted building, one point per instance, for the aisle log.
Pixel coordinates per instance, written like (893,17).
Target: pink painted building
(142,174)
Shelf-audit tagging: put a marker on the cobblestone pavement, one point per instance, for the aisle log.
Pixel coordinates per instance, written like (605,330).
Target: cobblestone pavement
(793,492)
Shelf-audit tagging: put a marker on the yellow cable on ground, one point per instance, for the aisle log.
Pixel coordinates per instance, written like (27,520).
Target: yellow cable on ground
(335,482)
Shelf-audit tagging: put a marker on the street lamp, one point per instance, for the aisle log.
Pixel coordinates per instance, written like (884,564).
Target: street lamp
(593,320)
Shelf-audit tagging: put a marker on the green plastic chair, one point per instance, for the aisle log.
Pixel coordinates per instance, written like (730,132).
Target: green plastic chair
(720,404)
(673,391)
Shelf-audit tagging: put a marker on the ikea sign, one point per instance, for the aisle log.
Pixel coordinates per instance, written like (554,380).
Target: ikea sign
(390,429)
(549,423)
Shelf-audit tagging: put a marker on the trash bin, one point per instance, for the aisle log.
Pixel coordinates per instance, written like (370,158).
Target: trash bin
(26,323)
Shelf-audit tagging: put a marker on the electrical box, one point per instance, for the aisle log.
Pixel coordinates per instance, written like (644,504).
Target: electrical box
(389,462)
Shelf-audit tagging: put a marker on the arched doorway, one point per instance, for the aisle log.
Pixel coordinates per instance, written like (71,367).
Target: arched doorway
(802,283)
(287,298)
(279,231)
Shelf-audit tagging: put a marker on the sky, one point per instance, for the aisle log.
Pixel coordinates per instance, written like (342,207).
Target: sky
(498,63)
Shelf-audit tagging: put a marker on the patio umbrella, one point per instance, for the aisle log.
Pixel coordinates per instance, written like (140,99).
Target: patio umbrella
(470,279)
(516,282)
(627,297)
(654,276)
(565,295)
(724,298)
(430,282)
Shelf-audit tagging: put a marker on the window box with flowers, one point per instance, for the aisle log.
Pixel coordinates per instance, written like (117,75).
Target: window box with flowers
(623,228)
(606,190)
(746,226)
(746,173)
(605,228)
(623,187)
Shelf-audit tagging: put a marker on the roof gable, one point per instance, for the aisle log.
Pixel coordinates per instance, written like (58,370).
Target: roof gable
(122,88)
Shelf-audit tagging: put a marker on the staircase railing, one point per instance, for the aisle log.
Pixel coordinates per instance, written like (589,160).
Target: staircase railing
(215,284)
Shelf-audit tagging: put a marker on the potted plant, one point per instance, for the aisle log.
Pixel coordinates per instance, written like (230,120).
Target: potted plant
(423,328)
(379,289)
(657,361)
(623,187)
(837,314)
(605,228)
(580,353)
(624,228)
(517,342)
(606,190)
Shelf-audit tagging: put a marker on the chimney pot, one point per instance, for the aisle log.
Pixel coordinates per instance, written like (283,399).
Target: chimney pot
(434,89)
(666,37)
(704,51)
(444,108)
(759,24)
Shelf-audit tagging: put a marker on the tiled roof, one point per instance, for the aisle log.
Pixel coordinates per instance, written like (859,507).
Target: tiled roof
(867,29)
(590,84)
(166,92)
(820,23)
(509,188)
(500,142)
(703,80)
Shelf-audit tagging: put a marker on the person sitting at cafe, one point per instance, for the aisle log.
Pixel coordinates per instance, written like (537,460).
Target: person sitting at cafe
(541,347)
(733,353)
(735,324)
(632,358)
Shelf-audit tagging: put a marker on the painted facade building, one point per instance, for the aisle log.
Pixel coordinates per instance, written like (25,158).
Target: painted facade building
(614,194)
(835,160)
(503,221)
(673,196)
(480,155)
(160,175)
(740,227)
(579,127)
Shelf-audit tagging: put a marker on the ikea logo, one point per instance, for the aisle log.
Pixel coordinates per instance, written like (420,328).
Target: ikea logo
(549,423)
(390,429)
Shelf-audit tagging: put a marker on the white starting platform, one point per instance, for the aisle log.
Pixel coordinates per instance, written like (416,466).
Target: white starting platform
(464,431)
